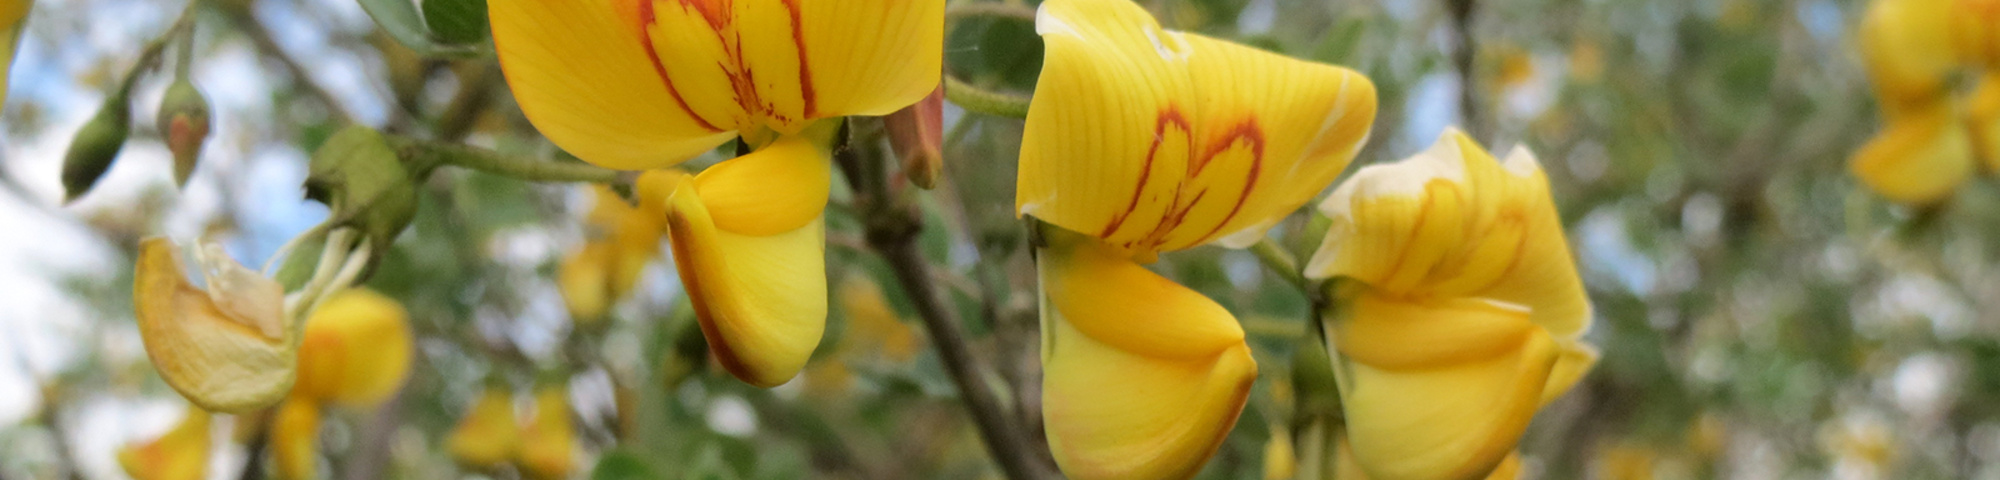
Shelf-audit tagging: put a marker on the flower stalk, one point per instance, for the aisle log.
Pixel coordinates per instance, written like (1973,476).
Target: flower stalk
(975,99)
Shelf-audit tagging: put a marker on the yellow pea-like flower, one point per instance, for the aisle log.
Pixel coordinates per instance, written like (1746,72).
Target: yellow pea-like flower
(357,350)
(642,84)
(180,454)
(13,16)
(1345,467)
(1934,133)
(548,444)
(228,347)
(488,435)
(1141,140)
(295,439)
(1920,158)
(1460,312)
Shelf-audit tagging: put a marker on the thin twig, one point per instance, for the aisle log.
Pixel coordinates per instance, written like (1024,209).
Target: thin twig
(984,101)
(892,231)
(1462,56)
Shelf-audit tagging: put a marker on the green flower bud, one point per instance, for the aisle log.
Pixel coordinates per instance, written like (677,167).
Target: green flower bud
(94,147)
(184,124)
(361,179)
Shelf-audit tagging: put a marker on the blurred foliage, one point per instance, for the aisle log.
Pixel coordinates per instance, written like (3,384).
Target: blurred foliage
(1761,316)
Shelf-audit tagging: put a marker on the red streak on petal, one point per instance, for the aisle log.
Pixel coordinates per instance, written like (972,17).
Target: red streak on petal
(646,19)
(1171,116)
(1246,131)
(806,94)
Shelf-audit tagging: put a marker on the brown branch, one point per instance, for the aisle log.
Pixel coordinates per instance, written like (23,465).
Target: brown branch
(892,228)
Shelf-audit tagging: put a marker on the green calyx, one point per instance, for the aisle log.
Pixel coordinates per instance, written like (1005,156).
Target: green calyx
(364,185)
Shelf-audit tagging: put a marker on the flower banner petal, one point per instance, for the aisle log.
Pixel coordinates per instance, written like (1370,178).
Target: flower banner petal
(865,57)
(590,78)
(1154,140)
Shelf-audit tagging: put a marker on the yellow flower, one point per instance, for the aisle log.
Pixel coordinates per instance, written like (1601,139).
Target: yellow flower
(227,348)
(180,454)
(13,17)
(1148,140)
(1933,134)
(1347,468)
(548,445)
(488,436)
(1625,462)
(295,440)
(1459,309)
(356,351)
(622,240)
(639,84)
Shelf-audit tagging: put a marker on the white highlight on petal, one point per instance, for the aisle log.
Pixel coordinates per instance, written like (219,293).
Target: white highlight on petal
(1521,162)
(1046,23)
(1179,51)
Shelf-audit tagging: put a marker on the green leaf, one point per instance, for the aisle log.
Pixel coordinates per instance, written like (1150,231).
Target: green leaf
(456,21)
(400,20)
(623,465)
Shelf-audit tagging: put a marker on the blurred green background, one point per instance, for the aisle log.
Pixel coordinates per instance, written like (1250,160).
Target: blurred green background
(1761,316)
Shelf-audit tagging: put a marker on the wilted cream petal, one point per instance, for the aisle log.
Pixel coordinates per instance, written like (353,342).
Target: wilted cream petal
(227,348)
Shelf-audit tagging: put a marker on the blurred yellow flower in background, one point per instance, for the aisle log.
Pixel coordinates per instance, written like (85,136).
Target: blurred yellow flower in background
(1935,133)
(643,84)
(488,435)
(357,350)
(13,17)
(180,454)
(295,439)
(1457,311)
(620,239)
(1141,140)
(548,443)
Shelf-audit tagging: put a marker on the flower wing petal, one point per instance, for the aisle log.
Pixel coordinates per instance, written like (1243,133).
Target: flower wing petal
(761,300)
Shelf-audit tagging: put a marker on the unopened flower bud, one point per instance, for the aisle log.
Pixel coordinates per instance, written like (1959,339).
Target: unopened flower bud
(94,147)
(917,134)
(184,124)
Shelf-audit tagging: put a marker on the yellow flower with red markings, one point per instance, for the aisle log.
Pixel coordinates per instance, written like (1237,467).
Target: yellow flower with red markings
(1142,140)
(180,454)
(1458,310)
(640,84)
(1935,134)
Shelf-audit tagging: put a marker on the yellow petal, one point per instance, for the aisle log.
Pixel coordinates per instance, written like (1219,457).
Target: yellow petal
(584,279)
(1114,413)
(1984,119)
(1919,158)
(1105,295)
(488,435)
(1396,335)
(548,446)
(295,440)
(761,300)
(1572,363)
(1280,463)
(1453,222)
(773,190)
(1976,31)
(1156,140)
(13,16)
(1908,50)
(180,454)
(586,73)
(357,350)
(227,349)
(868,57)
(1451,421)
(1346,468)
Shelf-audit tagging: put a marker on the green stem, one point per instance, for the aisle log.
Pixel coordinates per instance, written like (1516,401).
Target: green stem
(425,155)
(1282,264)
(984,101)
